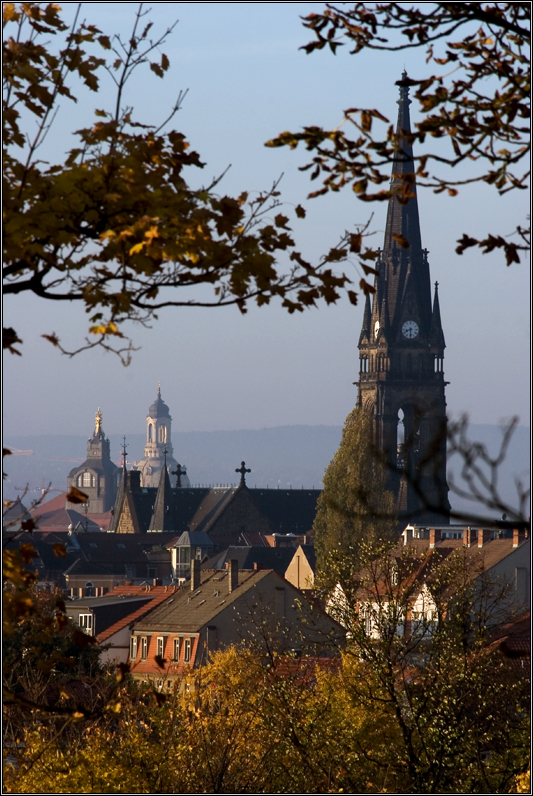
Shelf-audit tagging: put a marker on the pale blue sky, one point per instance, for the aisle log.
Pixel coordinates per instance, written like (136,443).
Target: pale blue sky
(247,82)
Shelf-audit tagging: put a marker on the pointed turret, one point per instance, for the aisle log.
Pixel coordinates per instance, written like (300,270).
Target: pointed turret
(384,318)
(162,519)
(436,333)
(365,330)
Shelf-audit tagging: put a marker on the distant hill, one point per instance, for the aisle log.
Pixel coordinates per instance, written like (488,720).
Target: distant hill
(285,456)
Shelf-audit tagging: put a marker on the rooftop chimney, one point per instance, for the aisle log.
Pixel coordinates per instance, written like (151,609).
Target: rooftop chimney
(516,537)
(233,570)
(468,536)
(196,580)
(483,536)
(434,537)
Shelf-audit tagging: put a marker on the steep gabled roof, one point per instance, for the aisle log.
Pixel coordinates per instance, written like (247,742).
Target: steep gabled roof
(212,507)
(162,516)
(188,611)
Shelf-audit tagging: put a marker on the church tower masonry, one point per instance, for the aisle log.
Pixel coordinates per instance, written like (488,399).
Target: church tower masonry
(401,351)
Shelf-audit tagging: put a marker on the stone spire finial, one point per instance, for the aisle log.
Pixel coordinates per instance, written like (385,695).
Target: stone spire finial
(242,470)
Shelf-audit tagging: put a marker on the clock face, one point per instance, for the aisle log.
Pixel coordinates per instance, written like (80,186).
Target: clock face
(410,329)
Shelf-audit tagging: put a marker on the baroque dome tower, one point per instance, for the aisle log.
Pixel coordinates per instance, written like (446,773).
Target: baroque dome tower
(98,475)
(158,447)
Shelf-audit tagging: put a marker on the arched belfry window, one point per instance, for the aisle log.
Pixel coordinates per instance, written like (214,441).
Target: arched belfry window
(162,433)
(86,479)
(150,432)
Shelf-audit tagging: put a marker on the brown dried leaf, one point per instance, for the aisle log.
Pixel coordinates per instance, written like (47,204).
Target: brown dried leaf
(75,495)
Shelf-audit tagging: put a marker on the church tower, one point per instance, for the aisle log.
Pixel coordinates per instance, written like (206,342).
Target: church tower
(98,475)
(401,351)
(158,448)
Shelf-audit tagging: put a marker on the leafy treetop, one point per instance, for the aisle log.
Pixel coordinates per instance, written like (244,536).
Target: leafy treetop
(115,226)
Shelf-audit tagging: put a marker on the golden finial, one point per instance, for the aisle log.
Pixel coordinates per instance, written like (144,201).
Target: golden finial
(98,422)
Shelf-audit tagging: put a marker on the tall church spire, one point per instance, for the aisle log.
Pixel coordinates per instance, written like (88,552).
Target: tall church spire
(402,216)
(401,350)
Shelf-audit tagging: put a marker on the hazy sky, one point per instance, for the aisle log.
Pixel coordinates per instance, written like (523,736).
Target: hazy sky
(247,81)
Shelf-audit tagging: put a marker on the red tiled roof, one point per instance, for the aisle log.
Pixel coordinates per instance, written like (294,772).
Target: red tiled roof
(158,595)
(514,639)
(53,516)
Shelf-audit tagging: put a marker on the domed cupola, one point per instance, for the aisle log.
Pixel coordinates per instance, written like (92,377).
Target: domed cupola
(159,407)
(158,446)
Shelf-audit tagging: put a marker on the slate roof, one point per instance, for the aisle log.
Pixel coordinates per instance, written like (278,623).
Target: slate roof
(162,519)
(288,510)
(188,611)
(198,509)
(211,507)
(276,558)
(193,539)
(115,550)
(182,505)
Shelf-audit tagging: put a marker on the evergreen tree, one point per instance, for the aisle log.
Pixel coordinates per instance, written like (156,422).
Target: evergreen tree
(355,512)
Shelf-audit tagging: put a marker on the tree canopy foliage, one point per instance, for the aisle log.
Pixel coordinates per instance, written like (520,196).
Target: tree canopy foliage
(113,224)
(354,508)
(423,662)
(479,101)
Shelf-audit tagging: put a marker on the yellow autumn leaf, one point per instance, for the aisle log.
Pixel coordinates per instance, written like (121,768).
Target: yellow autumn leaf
(137,248)
(8,11)
(152,233)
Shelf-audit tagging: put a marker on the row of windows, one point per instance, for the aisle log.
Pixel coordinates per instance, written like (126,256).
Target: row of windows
(381,364)
(181,648)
